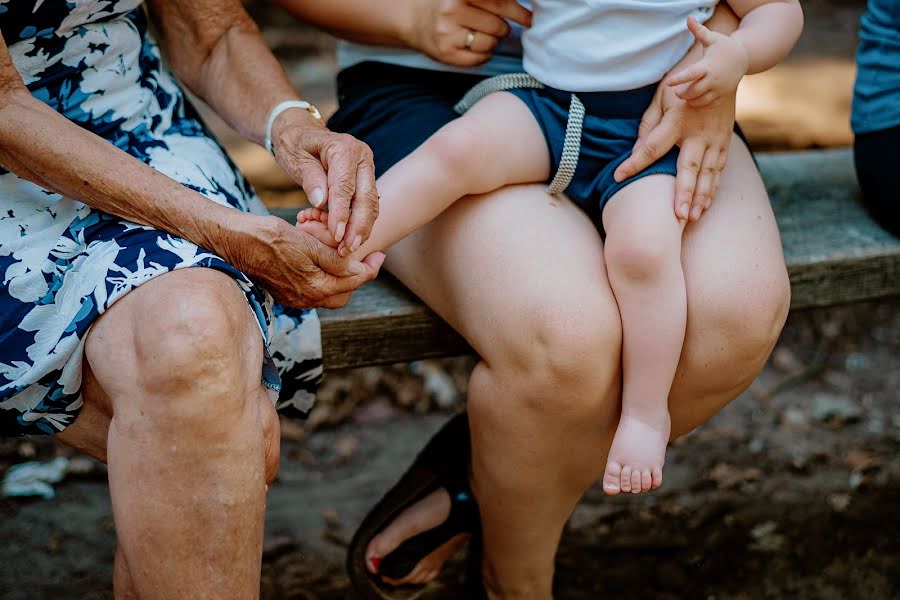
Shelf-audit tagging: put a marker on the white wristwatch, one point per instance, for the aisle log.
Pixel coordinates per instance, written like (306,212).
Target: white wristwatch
(280,108)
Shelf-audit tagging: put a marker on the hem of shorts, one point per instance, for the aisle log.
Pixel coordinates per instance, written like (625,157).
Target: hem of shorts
(15,434)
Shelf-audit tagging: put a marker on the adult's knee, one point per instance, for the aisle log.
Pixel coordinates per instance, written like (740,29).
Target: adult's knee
(197,355)
(565,363)
(737,327)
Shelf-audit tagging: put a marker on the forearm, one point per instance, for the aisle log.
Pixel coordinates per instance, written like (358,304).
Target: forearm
(768,31)
(42,146)
(364,21)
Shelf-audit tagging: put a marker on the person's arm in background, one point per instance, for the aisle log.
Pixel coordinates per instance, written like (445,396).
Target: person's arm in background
(437,28)
(42,146)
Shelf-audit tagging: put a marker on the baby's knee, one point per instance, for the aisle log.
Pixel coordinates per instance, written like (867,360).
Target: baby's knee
(639,254)
(458,147)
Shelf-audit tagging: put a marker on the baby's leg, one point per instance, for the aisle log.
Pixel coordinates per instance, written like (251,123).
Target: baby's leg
(643,258)
(496,143)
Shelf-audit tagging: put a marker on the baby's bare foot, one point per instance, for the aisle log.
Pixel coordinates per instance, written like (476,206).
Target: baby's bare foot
(315,222)
(637,455)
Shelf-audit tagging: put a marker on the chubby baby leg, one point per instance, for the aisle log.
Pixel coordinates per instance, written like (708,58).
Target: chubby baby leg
(496,143)
(643,258)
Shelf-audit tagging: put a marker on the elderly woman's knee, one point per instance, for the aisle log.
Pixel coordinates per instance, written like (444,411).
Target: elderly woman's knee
(199,339)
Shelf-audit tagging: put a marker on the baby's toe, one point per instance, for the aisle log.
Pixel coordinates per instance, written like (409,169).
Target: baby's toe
(611,478)
(657,477)
(625,479)
(636,481)
(646,480)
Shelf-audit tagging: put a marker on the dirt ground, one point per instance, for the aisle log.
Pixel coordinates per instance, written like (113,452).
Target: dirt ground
(792,491)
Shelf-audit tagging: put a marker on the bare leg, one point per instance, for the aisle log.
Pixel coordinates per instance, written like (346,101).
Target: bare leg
(643,258)
(738,298)
(499,132)
(191,438)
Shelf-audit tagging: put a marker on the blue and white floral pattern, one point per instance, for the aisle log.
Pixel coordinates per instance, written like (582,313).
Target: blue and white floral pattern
(62,263)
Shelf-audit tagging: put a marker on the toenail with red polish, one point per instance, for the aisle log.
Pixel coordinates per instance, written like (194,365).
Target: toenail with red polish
(375,560)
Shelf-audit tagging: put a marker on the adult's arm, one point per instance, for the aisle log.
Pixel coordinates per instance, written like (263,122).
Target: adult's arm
(702,134)
(437,28)
(42,146)
(216,50)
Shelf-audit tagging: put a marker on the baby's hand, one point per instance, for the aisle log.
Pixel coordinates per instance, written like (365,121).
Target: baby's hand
(717,74)
(314,221)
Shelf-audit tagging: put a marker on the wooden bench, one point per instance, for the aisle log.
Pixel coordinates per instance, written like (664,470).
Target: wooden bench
(835,254)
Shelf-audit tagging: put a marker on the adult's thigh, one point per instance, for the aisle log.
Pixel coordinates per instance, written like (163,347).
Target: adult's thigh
(738,294)
(520,274)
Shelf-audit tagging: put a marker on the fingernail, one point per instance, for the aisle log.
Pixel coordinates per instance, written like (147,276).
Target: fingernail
(684,209)
(343,251)
(357,242)
(317,197)
(339,232)
(375,561)
(695,212)
(357,268)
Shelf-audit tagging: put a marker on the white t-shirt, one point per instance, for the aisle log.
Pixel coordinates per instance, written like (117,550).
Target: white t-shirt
(577,45)
(608,45)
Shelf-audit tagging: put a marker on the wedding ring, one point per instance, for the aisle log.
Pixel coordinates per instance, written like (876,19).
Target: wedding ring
(470,39)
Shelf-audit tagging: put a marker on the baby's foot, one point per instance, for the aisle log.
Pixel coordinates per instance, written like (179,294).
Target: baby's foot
(314,221)
(637,455)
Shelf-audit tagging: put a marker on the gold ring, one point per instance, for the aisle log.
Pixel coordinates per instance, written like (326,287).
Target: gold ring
(470,39)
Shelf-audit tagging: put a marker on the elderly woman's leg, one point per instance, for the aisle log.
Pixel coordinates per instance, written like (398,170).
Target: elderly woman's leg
(173,403)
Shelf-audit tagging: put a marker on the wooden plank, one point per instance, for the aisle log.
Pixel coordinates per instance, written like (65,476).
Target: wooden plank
(834,252)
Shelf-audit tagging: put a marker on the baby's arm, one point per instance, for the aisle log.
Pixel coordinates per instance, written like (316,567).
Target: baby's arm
(768,31)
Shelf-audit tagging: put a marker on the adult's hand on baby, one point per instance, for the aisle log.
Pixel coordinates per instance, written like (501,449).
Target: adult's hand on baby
(334,169)
(463,33)
(703,135)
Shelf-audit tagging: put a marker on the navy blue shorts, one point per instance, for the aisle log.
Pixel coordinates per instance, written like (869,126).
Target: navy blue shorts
(610,129)
(395,109)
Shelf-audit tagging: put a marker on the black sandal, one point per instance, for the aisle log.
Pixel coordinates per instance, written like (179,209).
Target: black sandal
(443,463)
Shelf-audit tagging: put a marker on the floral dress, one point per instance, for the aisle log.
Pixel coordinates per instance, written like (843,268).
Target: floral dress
(62,263)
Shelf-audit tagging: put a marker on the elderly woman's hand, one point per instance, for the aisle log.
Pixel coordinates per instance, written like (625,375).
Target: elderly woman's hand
(296,268)
(334,169)
(703,135)
(463,33)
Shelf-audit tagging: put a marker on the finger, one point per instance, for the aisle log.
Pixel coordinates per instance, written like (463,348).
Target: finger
(690,157)
(705,181)
(693,90)
(651,117)
(700,31)
(508,9)
(483,21)
(336,301)
(694,72)
(313,180)
(342,156)
(364,209)
(465,58)
(656,143)
(482,44)
(331,262)
(332,285)
(704,100)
